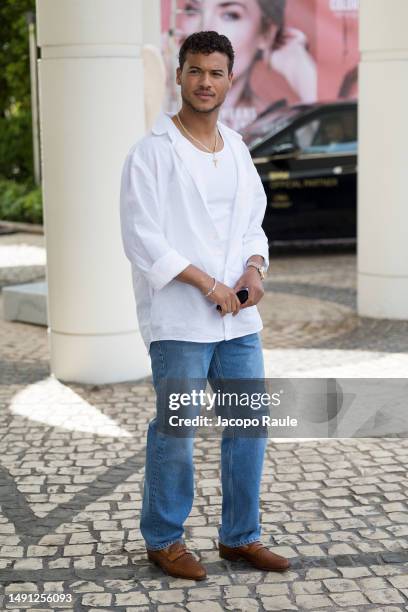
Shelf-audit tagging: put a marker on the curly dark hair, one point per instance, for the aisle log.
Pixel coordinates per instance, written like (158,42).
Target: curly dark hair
(207,42)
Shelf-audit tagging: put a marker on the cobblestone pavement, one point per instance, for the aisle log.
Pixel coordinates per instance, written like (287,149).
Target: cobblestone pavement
(72,462)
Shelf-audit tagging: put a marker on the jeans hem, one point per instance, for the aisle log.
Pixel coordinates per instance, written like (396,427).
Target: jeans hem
(242,543)
(164,545)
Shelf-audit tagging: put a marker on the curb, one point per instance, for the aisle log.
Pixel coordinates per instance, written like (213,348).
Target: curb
(14,226)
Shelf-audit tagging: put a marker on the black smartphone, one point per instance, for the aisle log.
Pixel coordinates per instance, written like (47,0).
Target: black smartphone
(242,295)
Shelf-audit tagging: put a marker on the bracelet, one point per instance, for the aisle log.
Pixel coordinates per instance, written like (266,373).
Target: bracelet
(213,288)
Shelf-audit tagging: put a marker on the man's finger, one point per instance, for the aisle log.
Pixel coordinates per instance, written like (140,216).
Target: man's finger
(237,307)
(226,308)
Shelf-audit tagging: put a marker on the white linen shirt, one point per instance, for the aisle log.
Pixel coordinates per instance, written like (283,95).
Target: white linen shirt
(166,225)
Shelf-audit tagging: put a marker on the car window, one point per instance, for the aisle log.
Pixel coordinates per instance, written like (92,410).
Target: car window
(268,125)
(331,132)
(273,145)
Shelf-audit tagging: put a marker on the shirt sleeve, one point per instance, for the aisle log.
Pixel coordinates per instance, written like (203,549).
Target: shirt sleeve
(255,241)
(144,242)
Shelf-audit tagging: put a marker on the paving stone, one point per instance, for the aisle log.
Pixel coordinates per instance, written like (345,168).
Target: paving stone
(83,586)
(273,589)
(354,572)
(131,599)
(11,551)
(82,537)
(96,599)
(318,573)
(115,560)
(236,591)
(284,551)
(28,564)
(349,598)
(277,603)
(368,584)
(21,587)
(340,584)
(315,538)
(127,585)
(241,604)
(310,551)
(386,609)
(198,593)
(312,602)
(288,576)
(399,582)
(59,563)
(399,517)
(76,550)
(307,588)
(385,596)
(54,587)
(204,606)
(388,570)
(41,551)
(341,549)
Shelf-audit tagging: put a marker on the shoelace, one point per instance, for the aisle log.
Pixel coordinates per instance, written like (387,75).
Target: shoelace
(179,552)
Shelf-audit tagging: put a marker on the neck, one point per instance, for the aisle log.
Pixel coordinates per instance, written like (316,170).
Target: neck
(202,124)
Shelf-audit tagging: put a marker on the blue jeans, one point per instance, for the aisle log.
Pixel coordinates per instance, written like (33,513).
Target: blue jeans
(168,492)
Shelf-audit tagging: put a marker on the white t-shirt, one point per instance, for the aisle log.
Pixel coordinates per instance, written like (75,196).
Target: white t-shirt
(220,185)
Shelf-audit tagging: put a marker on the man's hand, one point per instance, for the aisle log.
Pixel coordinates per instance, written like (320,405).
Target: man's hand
(251,279)
(226,297)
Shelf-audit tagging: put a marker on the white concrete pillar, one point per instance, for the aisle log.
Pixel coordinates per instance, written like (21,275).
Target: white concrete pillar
(382,164)
(91,112)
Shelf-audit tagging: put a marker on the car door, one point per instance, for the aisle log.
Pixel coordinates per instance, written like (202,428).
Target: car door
(309,174)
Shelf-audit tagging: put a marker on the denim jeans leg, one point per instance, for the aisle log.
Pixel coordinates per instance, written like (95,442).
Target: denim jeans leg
(241,457)
(168,492)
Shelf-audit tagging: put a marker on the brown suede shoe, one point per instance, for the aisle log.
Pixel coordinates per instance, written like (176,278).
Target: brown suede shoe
(177,561)
(257,554)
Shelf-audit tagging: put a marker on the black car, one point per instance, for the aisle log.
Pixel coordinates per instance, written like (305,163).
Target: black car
(306,156)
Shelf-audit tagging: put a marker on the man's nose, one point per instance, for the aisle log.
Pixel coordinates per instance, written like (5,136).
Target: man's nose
(205,80)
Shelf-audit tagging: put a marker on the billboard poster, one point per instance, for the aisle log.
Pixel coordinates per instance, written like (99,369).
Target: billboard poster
(286,51)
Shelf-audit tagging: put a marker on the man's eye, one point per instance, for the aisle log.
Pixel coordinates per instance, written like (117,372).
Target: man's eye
(231,16)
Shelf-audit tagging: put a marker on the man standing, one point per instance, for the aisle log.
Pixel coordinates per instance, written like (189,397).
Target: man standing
(192,206)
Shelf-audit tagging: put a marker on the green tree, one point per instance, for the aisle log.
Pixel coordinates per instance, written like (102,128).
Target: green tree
(16,161)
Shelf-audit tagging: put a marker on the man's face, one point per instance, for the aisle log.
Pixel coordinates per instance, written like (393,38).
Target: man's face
(204,80)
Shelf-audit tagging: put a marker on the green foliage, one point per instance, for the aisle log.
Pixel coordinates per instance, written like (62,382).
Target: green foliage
(20,202)
(15,103)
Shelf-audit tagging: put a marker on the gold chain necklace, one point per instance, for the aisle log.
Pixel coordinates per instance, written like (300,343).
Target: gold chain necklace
(215,160)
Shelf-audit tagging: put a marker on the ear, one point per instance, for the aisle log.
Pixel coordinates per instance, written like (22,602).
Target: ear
(178,76)
(230,78)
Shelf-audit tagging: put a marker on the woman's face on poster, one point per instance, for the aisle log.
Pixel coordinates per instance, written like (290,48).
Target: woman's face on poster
(241,22)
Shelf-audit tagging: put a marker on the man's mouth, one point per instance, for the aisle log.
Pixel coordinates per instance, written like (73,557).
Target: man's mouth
(203,95)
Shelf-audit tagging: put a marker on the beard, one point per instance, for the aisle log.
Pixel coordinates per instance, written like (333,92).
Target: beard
(191,105)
